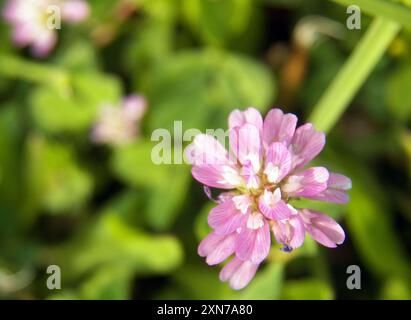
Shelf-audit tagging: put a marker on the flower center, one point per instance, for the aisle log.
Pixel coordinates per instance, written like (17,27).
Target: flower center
(260,186)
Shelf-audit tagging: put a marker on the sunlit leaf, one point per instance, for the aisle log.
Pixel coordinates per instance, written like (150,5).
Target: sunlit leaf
(201,225)
(310,289)
(108,283)
(200,88)
(167,183)
(112,243)
(395,289)
(207,286)
(399,93)
(217,22)
(55,113)
(55,180)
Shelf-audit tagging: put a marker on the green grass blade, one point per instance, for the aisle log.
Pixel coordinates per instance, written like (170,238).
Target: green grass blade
(384,9)
(353,73)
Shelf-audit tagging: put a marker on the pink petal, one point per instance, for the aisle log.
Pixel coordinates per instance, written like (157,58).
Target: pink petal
(134,106)
(223,177)
(323,228)
(23,34)
(278,212)
(278,127)
(332,195)
(229,269)
(206,150)
(10,11)
(307,183)
(290,232)
(245,144)
(278,162)
(217,248)
(253,244)
(339,181)
(211,164)
(239,118)
(337,185)
(44,43)
(272,207)
(250,174)
(75,10)
(222,197)
(238,273)
(225,218)
(306,144)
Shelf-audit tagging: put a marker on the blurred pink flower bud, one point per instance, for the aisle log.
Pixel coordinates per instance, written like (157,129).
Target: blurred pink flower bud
(119,124)
(33,22)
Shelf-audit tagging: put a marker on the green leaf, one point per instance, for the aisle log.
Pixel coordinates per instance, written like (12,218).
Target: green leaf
(128,205)
(55,181)
(405,140)
(202,87)
(110,242)
(207,286)
(78,56)
(10,161)
(55,112)
(53,77)
(369,221)
(165,202)
(64,295)
(108,283)
(5,46)
(320,74)
(167,183)
(101,10)
(282,3)
(399,93)
(201,227)
(133,164)
(218,22)
(266,284)
(395,289)
(147,48)
(372,230)
(310,289)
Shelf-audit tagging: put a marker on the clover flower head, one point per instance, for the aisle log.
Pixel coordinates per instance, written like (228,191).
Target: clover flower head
(264,170)
(119,124)
(29,19)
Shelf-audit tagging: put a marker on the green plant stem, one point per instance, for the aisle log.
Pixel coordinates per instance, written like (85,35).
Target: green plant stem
(353,73)
(384,9)
(13,67)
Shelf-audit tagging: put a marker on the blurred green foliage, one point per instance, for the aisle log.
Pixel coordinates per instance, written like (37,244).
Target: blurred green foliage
(122,227)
